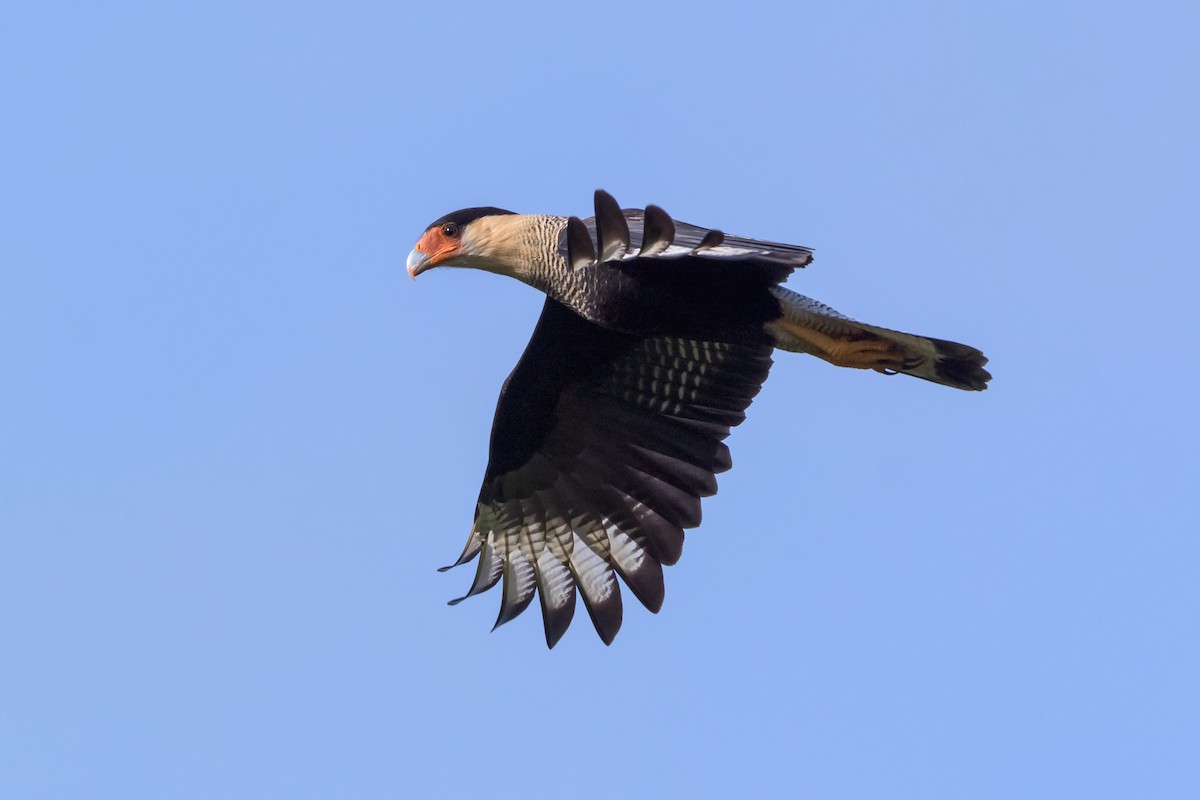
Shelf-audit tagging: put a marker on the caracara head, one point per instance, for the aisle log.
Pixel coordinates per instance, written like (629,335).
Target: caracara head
(473,237)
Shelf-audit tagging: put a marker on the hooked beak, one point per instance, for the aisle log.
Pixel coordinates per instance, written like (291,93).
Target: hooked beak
(417,263)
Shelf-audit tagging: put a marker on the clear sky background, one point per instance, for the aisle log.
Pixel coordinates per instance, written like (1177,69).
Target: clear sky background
(236,440)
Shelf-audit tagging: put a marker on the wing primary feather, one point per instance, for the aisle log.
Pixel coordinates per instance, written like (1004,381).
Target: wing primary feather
(711,239)
(658,231)
(474,542)
(519,583)
(640,571)
(598,585)
(491,565)
(556,591)
(612,231)
(580,250)
(556,588)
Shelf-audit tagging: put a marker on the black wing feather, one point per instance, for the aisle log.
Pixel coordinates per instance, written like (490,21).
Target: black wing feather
(658,233)
(580,250)
(651,233)
(612,231)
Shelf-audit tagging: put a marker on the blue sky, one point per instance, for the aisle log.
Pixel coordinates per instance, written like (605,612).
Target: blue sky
(236,440)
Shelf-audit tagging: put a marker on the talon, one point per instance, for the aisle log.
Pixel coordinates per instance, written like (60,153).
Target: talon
(857,351)
(873,354)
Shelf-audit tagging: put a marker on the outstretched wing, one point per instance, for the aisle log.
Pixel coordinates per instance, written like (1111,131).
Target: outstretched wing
(617,234)
(602,446)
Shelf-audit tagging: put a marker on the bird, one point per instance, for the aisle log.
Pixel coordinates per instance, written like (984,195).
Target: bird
(654,338)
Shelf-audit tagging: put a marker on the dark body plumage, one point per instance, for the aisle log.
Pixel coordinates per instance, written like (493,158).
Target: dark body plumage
(688,293)
(654,339)
(688,296)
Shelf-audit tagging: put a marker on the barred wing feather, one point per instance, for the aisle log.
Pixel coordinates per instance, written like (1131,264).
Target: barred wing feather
(602,446)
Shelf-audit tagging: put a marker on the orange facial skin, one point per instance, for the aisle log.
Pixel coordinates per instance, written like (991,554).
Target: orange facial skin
(437,248)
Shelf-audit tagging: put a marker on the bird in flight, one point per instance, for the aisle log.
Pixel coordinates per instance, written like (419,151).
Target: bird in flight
(654,338)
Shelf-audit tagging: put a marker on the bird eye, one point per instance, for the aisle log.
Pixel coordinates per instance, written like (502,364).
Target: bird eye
(450,230)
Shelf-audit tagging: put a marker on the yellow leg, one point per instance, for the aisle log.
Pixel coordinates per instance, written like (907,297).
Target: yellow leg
(867,352)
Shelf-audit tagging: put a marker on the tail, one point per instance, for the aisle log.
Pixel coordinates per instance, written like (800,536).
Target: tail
(808,326)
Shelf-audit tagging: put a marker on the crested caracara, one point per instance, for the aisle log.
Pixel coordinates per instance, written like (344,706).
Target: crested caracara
(655,337)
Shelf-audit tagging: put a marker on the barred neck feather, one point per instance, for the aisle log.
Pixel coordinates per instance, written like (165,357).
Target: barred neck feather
(521,246)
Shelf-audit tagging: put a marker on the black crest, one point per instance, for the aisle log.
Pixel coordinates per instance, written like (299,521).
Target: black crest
(466,216)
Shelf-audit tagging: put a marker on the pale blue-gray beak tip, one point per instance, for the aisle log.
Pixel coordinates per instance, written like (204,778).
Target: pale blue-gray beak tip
(416,263)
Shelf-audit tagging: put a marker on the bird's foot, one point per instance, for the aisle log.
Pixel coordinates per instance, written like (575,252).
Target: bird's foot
(857,351)
(876,354)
